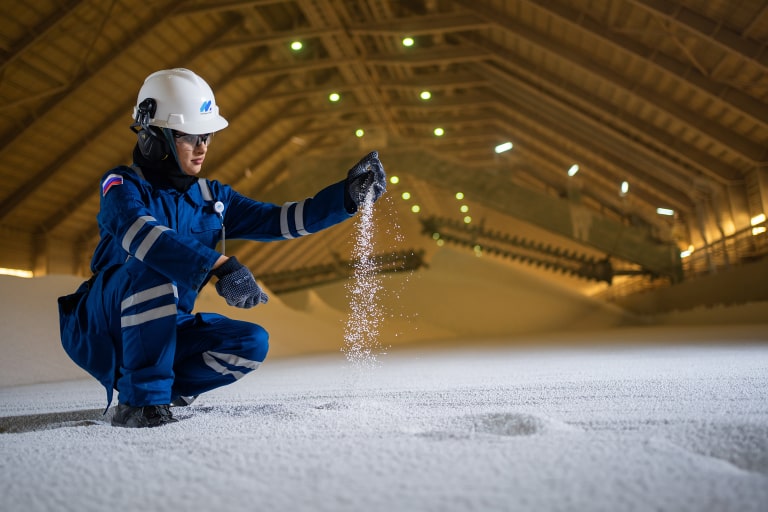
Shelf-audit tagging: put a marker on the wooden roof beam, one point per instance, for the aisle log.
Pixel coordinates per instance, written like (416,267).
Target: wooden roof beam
(714,31)
(717,134)
(599,108)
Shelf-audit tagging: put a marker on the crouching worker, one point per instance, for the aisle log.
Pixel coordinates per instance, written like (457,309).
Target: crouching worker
(131,324)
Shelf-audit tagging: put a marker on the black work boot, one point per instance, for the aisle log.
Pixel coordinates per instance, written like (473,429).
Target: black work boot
(183,401)
(141,417)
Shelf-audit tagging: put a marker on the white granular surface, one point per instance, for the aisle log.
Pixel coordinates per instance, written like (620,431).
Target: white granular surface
(361,332)
(678,429)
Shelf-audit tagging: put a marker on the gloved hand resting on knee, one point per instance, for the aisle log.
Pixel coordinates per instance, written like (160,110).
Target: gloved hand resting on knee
(237,285)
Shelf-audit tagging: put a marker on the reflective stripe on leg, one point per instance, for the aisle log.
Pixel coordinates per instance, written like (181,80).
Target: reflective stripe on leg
(152,293)
(215,360)
(148,316)
(136,300)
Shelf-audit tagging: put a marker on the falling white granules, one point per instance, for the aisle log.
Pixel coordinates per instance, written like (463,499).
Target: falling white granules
(361,333)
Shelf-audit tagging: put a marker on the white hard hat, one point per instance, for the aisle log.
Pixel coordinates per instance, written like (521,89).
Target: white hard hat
(184,102)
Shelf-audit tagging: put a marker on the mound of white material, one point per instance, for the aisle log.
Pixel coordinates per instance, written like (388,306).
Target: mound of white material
(461,295)
(29,330)
(457,296)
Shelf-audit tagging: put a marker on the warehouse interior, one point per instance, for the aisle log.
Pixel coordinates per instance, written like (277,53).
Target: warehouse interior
(570,264)
(617,150)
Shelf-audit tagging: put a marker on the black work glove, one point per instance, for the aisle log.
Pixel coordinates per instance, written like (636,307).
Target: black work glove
(367,175)
(237,285)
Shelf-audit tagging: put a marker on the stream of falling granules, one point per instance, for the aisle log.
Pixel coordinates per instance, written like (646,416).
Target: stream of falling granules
(361,333)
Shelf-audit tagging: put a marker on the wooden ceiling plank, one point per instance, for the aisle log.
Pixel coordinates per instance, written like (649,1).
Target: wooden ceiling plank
(282,36)
(39,32)
(642,135)
(636,133)
(594,140)
(716,133)
(192,7)
(723,94)
(715,32)
(756,22)
(86,73)
(321,11)
(421,25)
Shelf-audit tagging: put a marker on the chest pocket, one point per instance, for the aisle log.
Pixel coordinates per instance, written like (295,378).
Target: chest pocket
(207,230)
(208,223)
(210,228)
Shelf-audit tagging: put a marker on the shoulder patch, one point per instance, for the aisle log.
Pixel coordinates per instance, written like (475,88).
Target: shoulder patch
(109,182)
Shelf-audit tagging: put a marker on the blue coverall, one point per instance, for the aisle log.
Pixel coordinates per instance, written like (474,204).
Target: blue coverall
(131,325)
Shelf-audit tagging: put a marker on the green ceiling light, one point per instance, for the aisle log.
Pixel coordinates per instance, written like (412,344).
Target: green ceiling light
(435,236)
(408,42)
(425,95)
(359,132)
(415,208)
(296,45)
(459,195)
(406,195)
(464,208)
(334,97)
(439,132)
(394,180)
(467,219)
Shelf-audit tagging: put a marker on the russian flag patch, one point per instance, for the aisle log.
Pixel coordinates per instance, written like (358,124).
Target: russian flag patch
(109,182)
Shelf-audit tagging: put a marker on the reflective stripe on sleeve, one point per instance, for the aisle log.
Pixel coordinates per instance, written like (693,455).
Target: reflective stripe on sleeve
(300,218)
(149,241)
(284,228)
(134,230)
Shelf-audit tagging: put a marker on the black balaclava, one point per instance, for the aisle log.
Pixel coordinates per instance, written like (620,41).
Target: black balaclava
(164,173)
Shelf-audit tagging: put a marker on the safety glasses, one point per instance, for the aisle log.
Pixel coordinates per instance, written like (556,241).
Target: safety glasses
(193,140)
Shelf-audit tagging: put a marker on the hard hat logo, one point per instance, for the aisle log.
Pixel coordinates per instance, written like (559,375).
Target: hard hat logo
(205,108)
